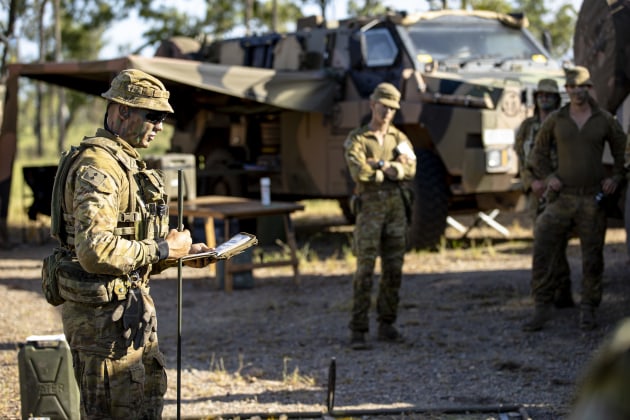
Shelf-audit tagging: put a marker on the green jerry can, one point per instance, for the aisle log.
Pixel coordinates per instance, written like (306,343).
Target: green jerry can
(48,388)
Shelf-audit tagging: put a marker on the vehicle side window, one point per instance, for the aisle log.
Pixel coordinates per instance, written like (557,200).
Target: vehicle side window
(380,48)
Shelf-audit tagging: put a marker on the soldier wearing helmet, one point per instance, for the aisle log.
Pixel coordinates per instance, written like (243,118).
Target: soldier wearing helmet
(579,131)
(547,99)
(114,234)
(380,159)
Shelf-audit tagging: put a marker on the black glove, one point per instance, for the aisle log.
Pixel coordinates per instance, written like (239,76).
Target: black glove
(137,312)
(130,311)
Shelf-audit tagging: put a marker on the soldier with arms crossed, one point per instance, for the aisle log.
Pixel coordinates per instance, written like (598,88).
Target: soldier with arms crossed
(379,158)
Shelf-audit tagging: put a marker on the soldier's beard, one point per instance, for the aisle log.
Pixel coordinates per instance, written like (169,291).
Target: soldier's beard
(580,96)
(546,104)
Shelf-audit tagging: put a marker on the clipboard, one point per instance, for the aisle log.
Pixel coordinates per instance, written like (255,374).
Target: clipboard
(233,246)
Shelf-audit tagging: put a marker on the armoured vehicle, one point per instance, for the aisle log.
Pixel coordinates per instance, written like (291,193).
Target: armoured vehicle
(281,105)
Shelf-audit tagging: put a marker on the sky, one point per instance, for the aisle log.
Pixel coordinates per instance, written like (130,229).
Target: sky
(126,35)
(129,32)
(132,28)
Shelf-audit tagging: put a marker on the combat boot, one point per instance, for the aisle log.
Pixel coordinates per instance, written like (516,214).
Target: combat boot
(587,318)
(563,299)
(542,314)
(358,341)
(387,332)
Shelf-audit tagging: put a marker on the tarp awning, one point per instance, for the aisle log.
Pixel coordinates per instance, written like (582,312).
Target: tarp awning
(295,90)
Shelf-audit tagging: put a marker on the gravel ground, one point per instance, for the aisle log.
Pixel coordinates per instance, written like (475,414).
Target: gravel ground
(269,349)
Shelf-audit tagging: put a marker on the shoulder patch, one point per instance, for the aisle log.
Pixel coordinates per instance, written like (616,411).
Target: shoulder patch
(93,176)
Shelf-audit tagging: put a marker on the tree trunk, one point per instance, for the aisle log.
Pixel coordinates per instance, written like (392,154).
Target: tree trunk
(249,11)
(40,86)
(61,96)
(6,36)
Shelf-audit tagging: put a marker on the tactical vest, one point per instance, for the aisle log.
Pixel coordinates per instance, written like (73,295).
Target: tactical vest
(147,213)
(146,218)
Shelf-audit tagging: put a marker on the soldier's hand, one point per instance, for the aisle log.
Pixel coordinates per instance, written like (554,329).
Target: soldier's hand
(555,184)
(404,159)
(538,187)
(199,262)
(609,186)
(179,243)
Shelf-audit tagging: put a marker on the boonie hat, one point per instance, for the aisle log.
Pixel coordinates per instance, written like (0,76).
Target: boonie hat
(387,94)
(138,89)
(578,76)
(548,86)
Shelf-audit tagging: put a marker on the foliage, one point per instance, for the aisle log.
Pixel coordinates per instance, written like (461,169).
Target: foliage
(558,24)
(499,6)
(321,3)
(561,30)
(370,7)
(286,12)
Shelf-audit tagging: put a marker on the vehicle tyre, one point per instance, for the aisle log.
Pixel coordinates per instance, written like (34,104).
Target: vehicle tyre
(431,202)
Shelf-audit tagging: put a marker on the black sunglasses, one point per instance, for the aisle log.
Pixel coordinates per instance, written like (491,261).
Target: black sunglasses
(155,117)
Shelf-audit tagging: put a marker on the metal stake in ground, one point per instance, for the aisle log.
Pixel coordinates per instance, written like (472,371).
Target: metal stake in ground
(180,227)
(332,377)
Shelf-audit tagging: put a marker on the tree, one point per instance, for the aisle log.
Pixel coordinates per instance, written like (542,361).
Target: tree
(369,8)
(499,6)
(322,6)
(558,24)
(7,33)
(285,12)
(560,27)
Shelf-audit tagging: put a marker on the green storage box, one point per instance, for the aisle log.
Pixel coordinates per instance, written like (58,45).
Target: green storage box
(48,388)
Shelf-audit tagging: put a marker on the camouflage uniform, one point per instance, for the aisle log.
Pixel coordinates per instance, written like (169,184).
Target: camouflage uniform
(116,219)
(581,172)
(380,226)
(604,389)
(523,144)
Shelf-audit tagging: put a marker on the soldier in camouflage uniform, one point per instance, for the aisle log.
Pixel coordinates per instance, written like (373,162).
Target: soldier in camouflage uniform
(115,229)
(605,387)
(547,99)
(580,130)
(379,158)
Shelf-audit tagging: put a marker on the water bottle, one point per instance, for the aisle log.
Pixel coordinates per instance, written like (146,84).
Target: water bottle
(265,191)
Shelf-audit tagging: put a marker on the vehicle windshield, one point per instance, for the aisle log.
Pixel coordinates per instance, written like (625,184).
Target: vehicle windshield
(470,37)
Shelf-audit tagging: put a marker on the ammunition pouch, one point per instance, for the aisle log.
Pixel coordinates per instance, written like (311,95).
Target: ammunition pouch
(77,285)
(50,285)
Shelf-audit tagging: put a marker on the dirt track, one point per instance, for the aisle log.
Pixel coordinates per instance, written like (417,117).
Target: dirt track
(268,349)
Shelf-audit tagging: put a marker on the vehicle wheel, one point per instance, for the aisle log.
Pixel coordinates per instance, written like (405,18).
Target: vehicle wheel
(431,202)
